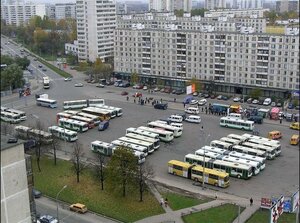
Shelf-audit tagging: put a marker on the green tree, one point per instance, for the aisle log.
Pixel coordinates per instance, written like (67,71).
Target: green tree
(134,78)
(272,16)
(256,93)
(12,77)
(5,59)
(72,59)
(121,170)
(179,13)
(200,12)
(23,62)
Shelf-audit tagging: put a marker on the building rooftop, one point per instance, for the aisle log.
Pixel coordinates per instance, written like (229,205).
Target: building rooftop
(6,145)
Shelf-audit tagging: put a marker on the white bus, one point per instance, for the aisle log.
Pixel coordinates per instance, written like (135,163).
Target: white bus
(3,108)
(144,138)
(60,115)
(117,111)
(229,122)
(151,135)
(220,144)
(249,151)
(237,137)
(10,117)
(63,134)
(18,112)
(107,149)
(230,140)
(102,114)
(46,82)
(148,145)
(134,147)
(165,136)
(95,101)
(215,150)
(90,122)
(71,112)
(46,102)
(72,124)
(45,137)
(176,131)
(269,150)
(76,104)
(22,131)
(209,154)
(93,117)
(261,160)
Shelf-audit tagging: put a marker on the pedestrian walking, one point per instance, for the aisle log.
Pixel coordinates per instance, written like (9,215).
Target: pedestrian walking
(166,202)
(127,98)
(161,100)
(162,201)
(251,201)
(134,100)
(175,100)
(183,104)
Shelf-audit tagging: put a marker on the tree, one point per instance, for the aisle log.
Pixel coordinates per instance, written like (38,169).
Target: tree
(23,62)
(256,93)
(72,59)
(179,13)
(12,77)
(6,128)
(121,170)
(79,166)
(144,173)
(5,59)
(39,142)
(56,142)
(134,78)
(101,161)
(272,16)
(200,12)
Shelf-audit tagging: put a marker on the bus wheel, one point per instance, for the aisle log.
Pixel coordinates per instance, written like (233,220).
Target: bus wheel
(216,184)
(239,176)
(226,126)
(243,128)
(196,180)
(174,173)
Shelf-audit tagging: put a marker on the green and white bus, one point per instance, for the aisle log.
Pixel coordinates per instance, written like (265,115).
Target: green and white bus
(234,169)
(215,150)
(230,140)
(25,132)
(164,135)
(134,147)
(72,124)
(116,111)
(63,134)
(95,101)
(229,122)
(144,138)
(249,151)
(151,135)
(148,145)
(269,150)
(261,160)
(177,132)
(220,144)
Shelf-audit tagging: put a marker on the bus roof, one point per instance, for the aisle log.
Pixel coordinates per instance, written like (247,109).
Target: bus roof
(211,171)
(236,119)
(179,163)
(46,100)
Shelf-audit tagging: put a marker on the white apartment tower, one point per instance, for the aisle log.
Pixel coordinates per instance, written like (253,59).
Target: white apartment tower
(170,5)
(214,4)
(96,21)
(65,10)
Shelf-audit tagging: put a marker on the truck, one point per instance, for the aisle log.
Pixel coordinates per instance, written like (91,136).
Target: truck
(46,82)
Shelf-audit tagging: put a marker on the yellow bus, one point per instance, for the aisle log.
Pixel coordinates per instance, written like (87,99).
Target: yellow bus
(195,172)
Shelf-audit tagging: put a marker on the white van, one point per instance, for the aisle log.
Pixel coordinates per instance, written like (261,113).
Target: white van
(178,125)
(267,101)
(192,110)
(193,119)
(175,118)
(235,115)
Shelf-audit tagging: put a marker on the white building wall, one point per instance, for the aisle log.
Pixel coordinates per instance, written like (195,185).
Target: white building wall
(40,10)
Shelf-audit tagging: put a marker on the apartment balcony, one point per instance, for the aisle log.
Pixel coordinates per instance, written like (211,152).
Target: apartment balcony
(146,45)
(181,42)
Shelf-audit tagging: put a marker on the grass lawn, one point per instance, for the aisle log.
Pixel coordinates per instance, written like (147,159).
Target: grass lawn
(222,214)
(56,69)
(177,201)
(263,217)
(275,29)
(52,178)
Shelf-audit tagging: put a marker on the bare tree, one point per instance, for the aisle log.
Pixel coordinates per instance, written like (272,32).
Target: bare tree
(100,165)
(6,128)
(39,142)
(56,142)
(144,173)
(79,166)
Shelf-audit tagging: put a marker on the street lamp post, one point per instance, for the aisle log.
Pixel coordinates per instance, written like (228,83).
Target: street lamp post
(64,187)
(203,176)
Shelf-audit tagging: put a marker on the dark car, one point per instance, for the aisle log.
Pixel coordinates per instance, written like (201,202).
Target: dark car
(174,91)
(206,95)
(168,90)
(163,106)
(48,219)
(36,193)
(126,84)
(103,125)
(44,69)
(290,106)
(124,93)
(40,66)
(178,92)
(12,140)
(256,119)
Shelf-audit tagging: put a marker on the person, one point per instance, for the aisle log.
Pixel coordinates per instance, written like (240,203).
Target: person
(166,202)
(127,98)
(134,100)
(161,201)
(251,201)
(174,99)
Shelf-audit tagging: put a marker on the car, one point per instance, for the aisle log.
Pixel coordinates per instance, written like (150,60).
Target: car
(68,79)
(212,96)
(93,81)
(255,101)
(138,86)
(124,93)
(145,88)
(35,59)
(162,90)
(279,104)
(193,102)
(78,85)
(168,90)
(47,219)
(206,95)
(273,104)
(174,91)
(36,193)
(72,68)
(163,106)
(295,126)
(297,107)
(183,115)
(103,125)
(202,102)
(256,119)
(193,119)
(195,93)
(267,101)
(225,98)
(12,140)
(220,97)
(40,66)
(290,106)
(125,84)
(260,102)
(100,85)
(156,89)
(249,100)
(236,99)
(137,94)
(179,91)
(77,207)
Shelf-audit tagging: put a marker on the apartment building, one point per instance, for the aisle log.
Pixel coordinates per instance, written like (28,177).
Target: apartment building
(215,4)
(247,4)
(96,21)
(15,201)
(250,13)
(287,6)
(173,51)
(170,5)
(65,10)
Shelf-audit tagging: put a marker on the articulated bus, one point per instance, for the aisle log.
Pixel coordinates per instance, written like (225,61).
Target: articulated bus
(10,117)
(45,102)
(144,138)
(220,144)
(230,140)
(62,115)
(237,137)
(215,150)
(165,136)
(102,114)
(95,118)
(71,112)
(176,131)
(151,135)
(18,112)
(269,150)
(89,121)
(148,145)
(25,132)
(261,160)
(76,104)
(195,172)
(134,147)
(107,149)
(63,134)
(249,151)
(72,124)
(234,169)
(116,111)
(229,122)
(22,131)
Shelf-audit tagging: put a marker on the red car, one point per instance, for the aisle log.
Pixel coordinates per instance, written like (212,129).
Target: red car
(124,93)
(137,94)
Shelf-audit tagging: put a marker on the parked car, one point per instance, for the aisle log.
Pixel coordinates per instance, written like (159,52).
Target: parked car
(163,106)
(267,101)
(68,79)
(137,94)
(255,101)
(78,85)
(220,97)
(193,119)
(279,104)
(273,104)
(103,125)
(145,88)
(183,115)
(249,100)
(124,93)
(40,66)
(156,89)
(47,219)
(202,102)
(100,85)
(36,193)
(12,140)
(256,119)
(212,96)
(80,208)
(168,90)
(236,99)
(195,93)
(174,91)
(206,95)
(290,106)
(138,86)
(193,102)
(179,91)
(295,126)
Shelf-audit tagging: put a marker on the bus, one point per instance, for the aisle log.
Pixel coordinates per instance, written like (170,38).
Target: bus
(95,118)
(95,101)
(25,132)
(237,170)
(117,111)
(46,82)
(107,149)
(269,150)
(22,131)
(176,131)
(62,115)
(220,144)
(71,112)
(148,145)
(237,137)
(76,104)
(195,172)
(151,135)
(229,122)
(207,154)
(46,102)
(249,151)
(63,134)
(10,117)
(165,136)
(215,150)
(134,147)
(103,115)
(230,140)
(3,108)
(90,122)
(18,112)
(261,160)
(72,124)
(144,138)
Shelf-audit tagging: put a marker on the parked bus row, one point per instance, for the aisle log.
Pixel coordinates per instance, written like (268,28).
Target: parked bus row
(79,104)
(25,132)
(12,115)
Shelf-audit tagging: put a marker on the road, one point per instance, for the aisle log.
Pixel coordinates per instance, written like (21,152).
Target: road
(281,175)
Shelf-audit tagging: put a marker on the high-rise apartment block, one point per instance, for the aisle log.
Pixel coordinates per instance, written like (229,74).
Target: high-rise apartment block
(250,13)
(287,6)
(170,5)
(96,21)
(65,10)
(163,48)
(215,4)
(247,4)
